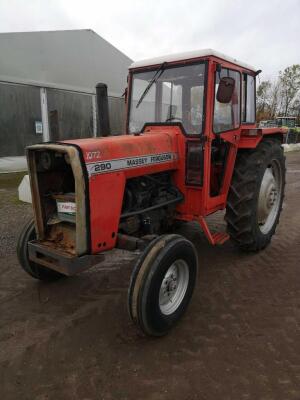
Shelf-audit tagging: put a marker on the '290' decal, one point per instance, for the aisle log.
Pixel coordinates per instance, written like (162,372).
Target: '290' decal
(130,162)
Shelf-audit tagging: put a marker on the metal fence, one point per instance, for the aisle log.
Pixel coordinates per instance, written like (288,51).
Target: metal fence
(31,114)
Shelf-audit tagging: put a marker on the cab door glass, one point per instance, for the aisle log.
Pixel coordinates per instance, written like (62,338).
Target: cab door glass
(227,115)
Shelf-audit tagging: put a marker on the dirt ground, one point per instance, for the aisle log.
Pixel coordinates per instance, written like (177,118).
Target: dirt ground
(73,339)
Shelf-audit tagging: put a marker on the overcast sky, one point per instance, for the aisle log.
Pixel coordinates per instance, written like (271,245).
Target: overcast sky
(263,33)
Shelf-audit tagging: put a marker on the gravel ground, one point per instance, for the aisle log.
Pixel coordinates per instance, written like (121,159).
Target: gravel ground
(72,339)
(13,213)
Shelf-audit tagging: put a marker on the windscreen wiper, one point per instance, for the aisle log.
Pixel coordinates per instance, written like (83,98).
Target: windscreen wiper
(157,74)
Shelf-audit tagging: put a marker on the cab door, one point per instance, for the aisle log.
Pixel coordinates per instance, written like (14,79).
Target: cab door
(223,136)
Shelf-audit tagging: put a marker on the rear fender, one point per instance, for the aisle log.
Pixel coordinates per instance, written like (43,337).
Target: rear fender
(250,138)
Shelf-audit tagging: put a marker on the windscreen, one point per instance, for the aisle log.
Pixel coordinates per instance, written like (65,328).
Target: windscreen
(167,95)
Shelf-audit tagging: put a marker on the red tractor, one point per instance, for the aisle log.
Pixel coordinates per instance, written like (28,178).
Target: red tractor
(191,148)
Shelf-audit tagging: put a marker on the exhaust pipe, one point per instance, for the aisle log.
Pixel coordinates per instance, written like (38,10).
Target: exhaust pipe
(102,108)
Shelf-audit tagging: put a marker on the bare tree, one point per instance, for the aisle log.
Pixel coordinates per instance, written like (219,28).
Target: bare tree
(267,99)
(275,98)
(295,108)
(281,96)
(289,81)
(263,100)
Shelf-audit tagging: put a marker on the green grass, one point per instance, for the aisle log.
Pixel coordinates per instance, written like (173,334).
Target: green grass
(10,196)
(9,188)
(13,180)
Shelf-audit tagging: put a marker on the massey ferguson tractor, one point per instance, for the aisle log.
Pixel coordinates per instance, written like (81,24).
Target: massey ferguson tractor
(191,148)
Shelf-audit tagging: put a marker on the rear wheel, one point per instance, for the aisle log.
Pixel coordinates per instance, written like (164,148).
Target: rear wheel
(256,195)
(36,271)
(162,284)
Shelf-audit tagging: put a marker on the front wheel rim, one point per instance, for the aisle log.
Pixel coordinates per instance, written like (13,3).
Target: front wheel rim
(269,197)
(173,287)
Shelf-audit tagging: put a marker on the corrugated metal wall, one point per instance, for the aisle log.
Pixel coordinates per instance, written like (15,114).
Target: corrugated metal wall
(71,115)
(20,107)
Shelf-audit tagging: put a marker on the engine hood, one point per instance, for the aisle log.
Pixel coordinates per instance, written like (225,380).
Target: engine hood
(108,154)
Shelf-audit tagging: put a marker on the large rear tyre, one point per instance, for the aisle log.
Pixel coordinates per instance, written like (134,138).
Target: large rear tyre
(36,271)
(256,195)
(162,284)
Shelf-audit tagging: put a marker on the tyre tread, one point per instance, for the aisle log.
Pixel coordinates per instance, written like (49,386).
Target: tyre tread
(242,197)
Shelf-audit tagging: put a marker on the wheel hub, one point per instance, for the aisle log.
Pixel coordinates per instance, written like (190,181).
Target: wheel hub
(170,283)
(173,287)
(269,198)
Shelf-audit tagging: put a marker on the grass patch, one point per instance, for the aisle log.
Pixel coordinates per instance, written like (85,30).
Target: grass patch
(10,196)
(13,180)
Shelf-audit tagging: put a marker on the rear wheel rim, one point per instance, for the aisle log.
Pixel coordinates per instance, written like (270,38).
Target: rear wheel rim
(269,197)
(173,287)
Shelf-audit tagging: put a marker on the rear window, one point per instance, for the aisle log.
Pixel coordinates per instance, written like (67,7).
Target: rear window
(248,99)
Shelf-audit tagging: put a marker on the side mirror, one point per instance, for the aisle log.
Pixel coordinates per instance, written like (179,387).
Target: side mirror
(225,89)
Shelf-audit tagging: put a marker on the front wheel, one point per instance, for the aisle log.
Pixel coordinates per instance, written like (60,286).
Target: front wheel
(162,284)
(34,270)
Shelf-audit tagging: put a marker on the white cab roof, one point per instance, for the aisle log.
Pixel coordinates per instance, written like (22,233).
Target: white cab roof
(189,55)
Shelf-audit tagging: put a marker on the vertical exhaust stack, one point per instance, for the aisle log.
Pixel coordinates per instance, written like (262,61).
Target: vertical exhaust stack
(102,108)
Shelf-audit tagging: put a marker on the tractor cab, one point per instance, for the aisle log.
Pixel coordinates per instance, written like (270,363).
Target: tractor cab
(211,98)
(206,91)
(288,122)
(293,130)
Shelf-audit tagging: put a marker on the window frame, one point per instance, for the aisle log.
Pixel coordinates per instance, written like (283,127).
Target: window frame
(204,62)
(214,102)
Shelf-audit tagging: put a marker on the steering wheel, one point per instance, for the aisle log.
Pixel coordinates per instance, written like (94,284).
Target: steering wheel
(173,118)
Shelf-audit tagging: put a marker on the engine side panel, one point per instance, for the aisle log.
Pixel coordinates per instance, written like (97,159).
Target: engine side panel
(110,162)
(106,197)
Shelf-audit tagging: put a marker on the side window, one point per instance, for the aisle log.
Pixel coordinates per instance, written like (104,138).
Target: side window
(248,99)
(227,116)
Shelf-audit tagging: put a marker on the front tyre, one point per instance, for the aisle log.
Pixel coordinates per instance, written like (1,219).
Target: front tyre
(34,270)
(162,284)
(256,195)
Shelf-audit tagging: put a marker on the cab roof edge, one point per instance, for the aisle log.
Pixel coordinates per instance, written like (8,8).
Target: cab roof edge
(189,55)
